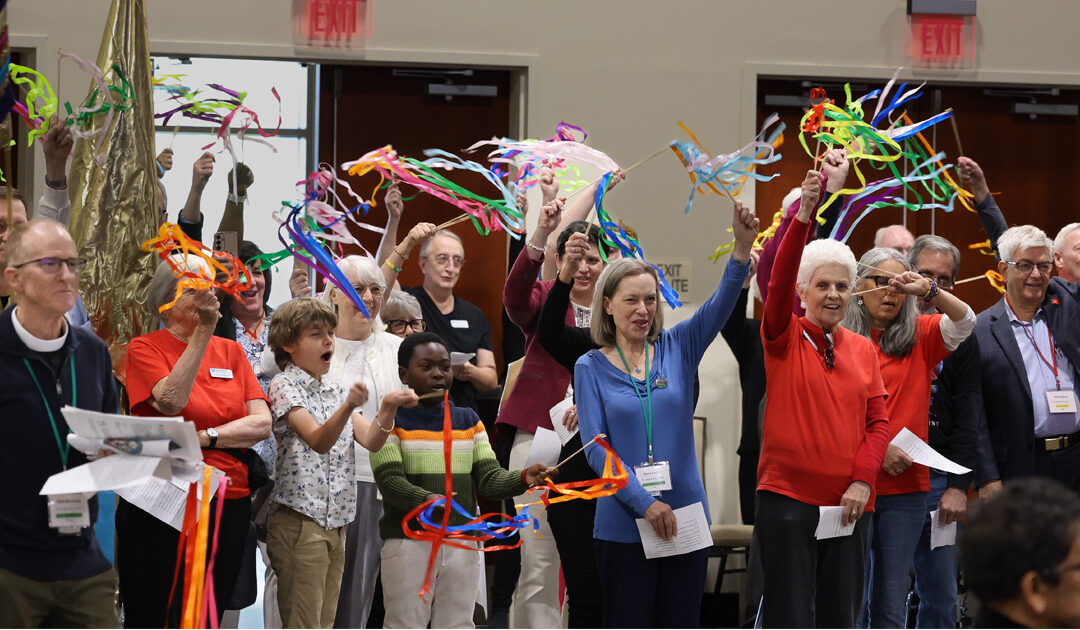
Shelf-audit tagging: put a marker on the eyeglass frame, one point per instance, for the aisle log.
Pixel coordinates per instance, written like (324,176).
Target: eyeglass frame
(943,282)
(376,290)
(1017,265)
(459,261)
(406,324)
(76,264)
(879,281)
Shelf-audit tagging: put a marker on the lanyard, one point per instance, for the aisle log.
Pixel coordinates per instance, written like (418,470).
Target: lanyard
(1028,328)
(648,394)
(61,445)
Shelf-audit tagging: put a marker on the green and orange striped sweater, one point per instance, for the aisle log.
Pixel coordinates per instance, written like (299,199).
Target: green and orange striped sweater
(411,466)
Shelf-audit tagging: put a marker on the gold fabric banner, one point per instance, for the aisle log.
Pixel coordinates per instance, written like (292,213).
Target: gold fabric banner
(112,207)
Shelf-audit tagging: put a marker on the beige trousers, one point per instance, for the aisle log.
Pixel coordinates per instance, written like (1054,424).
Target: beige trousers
(453,585)
(308,561)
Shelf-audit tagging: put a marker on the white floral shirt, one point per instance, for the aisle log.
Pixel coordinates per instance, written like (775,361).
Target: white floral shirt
(322,487)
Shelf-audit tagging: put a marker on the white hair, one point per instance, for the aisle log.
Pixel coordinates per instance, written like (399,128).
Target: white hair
(359,269)
(1059,242)
(825,251)
(793,195)
(162,288)
(425,247)
(1022,237)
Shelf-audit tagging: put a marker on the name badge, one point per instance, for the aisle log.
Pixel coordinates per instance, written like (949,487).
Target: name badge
(220,373)
(1063,401)
(459,323)
(655,477)
(69,513)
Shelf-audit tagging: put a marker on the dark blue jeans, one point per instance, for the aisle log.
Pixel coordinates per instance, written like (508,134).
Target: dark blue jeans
(643,593)
(935,570)
(898,521)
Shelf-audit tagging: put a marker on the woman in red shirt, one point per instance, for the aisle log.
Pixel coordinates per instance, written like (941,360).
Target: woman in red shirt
(184,370)
(824,435)
(910,348)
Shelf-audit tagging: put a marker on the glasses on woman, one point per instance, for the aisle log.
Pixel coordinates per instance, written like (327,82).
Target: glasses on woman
(375,289)
(880,281)
(1026,266)
(398,326)
(943,282)
(52,265)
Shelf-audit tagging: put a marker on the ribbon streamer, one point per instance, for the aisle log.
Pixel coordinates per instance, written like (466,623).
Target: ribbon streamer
(83,119)
(35,115)
(232,278)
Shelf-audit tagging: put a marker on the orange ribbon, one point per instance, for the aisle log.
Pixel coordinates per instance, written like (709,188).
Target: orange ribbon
(171,239)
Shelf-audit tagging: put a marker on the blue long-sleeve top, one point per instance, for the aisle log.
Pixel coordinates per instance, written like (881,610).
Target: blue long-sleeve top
(608,404)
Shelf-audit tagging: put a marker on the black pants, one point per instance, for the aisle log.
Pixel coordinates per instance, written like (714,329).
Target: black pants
(808,583)
(146,558)
(571,525)
(643,593)
(1062,465)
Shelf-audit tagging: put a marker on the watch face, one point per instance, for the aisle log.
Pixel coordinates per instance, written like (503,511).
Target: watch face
(212,432)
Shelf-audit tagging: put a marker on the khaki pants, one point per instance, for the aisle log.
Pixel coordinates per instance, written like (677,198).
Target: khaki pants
(536,597)
(308,561)
(453,583)
(86,603)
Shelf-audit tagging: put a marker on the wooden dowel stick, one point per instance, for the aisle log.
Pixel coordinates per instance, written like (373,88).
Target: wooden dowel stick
(877,269)
(956,132)
(459,219)
(971,279)
(575,453)
(870,290)
(434,394)
(10,184)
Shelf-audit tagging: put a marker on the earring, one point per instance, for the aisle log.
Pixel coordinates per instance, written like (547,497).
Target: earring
(860,302)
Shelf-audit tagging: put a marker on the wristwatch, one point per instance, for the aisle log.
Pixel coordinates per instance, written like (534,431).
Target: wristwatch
(213,435)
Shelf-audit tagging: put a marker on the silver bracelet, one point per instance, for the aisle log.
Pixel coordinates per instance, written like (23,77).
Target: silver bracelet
(530,245)
(393,422)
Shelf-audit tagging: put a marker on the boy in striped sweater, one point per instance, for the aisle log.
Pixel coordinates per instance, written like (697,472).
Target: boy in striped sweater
(410,469)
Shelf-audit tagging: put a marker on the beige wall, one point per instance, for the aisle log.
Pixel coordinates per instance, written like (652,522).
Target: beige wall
(626,70)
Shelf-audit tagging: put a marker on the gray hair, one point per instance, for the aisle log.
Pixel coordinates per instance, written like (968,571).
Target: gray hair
(162,288)
(1059,241)
(358,269)
(932,243)
(425,247)
(825,251)
(1021,237)
(603,325)
(898,338)
(401,305)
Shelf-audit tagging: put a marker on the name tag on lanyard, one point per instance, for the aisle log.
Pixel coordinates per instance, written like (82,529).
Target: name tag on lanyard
(654,477)
(1061,401)
(69,513)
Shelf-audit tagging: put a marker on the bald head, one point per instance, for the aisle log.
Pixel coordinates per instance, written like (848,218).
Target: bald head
(894,237)
(43,269)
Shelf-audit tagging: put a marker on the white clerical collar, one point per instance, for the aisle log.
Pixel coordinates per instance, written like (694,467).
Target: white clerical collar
(36,343)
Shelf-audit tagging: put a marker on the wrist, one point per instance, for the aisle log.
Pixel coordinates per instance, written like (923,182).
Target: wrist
(741,252)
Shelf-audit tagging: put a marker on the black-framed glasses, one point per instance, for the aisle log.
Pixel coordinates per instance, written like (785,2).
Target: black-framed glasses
(1026,266)
(50,264)
(880,281)
(830,354)
(398,326)
(943,282)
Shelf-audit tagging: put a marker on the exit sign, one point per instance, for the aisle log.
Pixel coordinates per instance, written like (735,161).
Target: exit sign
(339,24)
(942,41)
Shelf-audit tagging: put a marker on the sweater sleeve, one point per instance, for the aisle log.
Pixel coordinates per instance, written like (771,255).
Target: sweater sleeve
(732,332)
(871,452)
(692,336)
(55,205)
(564,343)
(592,420)
(389,471)
(993,221)
(492,480)
(521,293)
(782,283)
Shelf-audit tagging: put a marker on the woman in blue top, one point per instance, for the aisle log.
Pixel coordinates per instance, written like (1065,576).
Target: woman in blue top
(638,389)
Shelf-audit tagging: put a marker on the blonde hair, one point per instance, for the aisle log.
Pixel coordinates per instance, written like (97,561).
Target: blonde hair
(603,325)
(292,319)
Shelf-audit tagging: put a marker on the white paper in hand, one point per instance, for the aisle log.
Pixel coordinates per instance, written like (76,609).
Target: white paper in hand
(921,453)
(461,358)
(557,413)
(692,533)
(941,535)
(829,523)
(545,447)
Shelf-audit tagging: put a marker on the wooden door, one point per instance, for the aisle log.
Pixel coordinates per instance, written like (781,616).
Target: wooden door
(1030,162)
(362,108)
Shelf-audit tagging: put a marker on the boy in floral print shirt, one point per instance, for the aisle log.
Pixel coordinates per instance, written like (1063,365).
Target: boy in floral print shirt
(315,486)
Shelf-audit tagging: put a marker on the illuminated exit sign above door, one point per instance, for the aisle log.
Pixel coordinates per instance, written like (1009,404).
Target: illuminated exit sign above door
(333,24)
(942,33)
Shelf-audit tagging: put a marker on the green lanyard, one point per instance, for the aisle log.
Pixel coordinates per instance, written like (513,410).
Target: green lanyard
(648,394)
(61,445)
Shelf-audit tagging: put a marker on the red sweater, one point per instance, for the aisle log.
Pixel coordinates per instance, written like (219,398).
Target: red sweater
(824,428)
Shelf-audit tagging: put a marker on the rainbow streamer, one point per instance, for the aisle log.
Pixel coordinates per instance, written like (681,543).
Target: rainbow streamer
(113,99)
(35,115)
(232,278)
(528,169)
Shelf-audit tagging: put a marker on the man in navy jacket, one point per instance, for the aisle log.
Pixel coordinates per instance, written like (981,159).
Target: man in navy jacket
(49,576)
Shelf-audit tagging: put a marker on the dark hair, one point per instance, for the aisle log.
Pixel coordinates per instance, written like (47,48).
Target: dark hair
(1029,526)
(591,231)
(932,243)
(249,250)
(16,195)
(408,346)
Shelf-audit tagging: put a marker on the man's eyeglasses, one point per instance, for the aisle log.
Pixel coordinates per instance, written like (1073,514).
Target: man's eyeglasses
(943,282)
(52,265)
(443,259)
(879,281)
(1026,266)
(398,326)
(830,355)
(375,289)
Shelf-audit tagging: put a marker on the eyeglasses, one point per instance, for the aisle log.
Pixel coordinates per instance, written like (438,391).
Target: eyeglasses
(830,355)
(943,282)
(398,326)
(1026,266)
(52,265)
(443,259)
(375,289)
(880,281)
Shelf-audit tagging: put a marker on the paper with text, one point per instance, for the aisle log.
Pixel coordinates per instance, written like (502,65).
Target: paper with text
(692,533)
(165,500)
(921,453)
(829,523)
(557,413)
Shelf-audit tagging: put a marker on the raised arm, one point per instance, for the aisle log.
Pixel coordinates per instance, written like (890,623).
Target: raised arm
(200,175)
(170,395)
(835,167)
(972,176)
(564,343)
(395,206)
(786,267)
(372,435)
(959,319)
(576,210)
(232,219)
(522,293)
(54,203)
(400,253)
